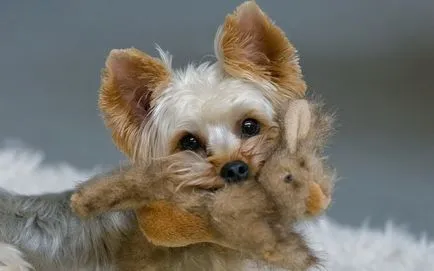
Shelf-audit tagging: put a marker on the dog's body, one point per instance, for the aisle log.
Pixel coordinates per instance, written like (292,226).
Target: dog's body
(52,237)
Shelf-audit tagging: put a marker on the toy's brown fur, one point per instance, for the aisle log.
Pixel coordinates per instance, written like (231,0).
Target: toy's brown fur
(252,219)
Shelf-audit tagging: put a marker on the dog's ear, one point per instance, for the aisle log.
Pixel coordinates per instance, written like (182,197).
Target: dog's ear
(131,82)
(297,122)
(250,46)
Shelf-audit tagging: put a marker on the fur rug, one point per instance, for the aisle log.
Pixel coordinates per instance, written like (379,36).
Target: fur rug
(346,249)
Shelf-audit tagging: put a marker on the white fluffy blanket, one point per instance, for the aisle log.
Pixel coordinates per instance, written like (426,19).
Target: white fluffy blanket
(345,248)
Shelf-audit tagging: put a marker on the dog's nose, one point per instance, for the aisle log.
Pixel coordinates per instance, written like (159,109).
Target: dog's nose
(235,171)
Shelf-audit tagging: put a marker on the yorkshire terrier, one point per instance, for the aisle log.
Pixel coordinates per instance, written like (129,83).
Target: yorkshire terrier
(252,219)
(225,112)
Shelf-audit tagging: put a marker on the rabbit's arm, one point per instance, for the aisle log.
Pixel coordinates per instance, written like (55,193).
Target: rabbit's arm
(117,190)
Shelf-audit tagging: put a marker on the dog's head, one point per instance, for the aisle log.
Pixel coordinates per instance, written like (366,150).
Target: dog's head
(224,111)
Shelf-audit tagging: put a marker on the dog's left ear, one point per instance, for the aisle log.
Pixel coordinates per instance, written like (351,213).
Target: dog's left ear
(250,46)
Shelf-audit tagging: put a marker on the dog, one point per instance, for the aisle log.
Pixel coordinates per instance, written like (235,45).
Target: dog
(223,111)
(252,219)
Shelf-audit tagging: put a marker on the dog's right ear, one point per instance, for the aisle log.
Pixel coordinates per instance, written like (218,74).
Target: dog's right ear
(131,82)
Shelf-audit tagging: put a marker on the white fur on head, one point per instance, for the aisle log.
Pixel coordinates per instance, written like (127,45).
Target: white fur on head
(203,101)
(297,122)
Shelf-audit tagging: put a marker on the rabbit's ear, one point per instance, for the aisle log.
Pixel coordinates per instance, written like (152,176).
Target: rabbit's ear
(297,122)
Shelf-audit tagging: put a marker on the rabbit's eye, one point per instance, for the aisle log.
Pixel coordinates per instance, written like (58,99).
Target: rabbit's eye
(288,178)
(302,163)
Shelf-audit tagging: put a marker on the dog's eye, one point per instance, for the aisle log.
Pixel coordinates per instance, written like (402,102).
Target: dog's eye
(288,178)
(189,143)
(250,127)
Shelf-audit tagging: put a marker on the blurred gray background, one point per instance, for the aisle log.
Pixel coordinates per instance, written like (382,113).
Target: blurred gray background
(372,60)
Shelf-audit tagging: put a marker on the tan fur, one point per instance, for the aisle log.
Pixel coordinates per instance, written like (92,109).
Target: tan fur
(252,219)
(252,47)
(171,226)
(130,82)
(317,200)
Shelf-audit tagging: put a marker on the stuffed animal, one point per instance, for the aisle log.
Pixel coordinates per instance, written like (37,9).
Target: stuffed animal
(253,217)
